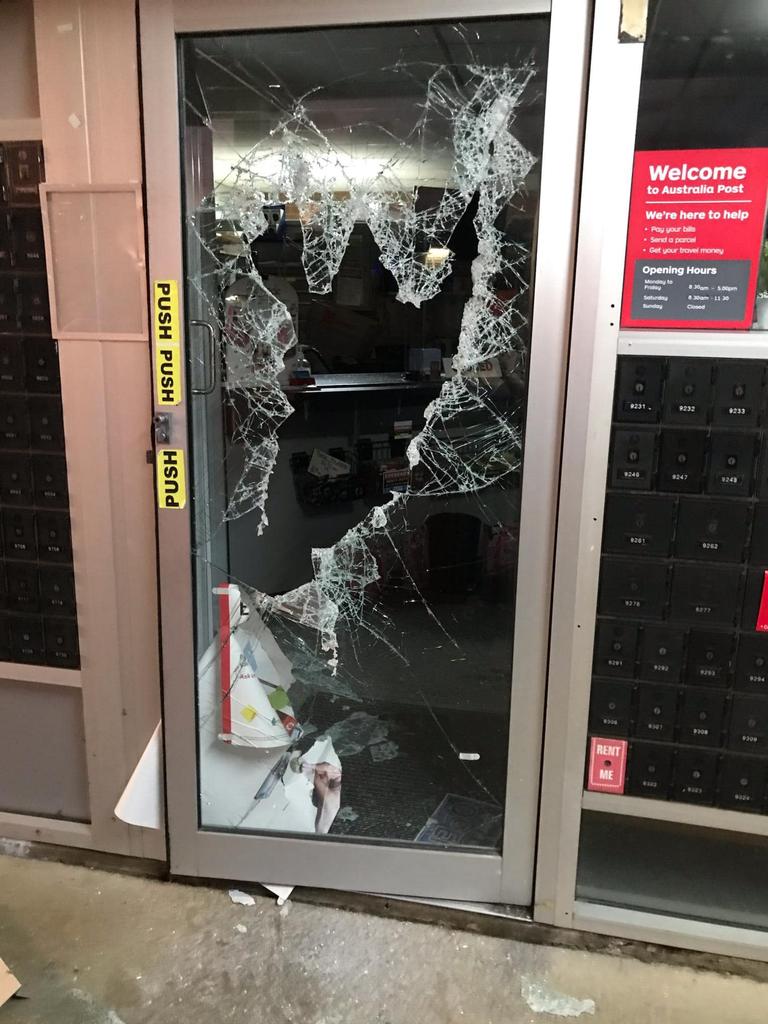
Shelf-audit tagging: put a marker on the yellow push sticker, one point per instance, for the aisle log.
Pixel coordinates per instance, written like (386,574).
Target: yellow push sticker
(171,478)
(167,343)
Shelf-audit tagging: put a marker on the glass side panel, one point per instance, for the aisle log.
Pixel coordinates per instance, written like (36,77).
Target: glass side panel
(361,214)
(672,869)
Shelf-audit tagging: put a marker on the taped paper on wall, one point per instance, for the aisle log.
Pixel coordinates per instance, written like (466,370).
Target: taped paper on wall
(142,801)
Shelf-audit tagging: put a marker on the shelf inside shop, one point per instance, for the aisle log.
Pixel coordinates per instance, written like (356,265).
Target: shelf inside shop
(679,813)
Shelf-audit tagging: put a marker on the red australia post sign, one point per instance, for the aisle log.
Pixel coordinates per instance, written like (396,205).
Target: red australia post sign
(696,228)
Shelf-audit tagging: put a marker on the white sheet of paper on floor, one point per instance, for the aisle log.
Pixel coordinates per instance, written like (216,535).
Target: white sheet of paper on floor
(322,464)
(281,891)
(8,984)
(142,802)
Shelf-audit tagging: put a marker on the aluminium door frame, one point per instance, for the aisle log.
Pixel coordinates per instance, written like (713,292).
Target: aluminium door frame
(356,865)
(609,149)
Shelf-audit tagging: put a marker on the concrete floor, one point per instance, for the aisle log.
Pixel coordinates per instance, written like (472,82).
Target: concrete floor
(92,947)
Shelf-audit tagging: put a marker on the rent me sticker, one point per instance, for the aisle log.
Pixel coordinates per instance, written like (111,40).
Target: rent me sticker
(607,765)
(695,234)
(167,343)
(171,478)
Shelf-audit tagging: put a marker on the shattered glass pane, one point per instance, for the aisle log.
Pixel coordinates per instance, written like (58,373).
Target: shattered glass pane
(361,208)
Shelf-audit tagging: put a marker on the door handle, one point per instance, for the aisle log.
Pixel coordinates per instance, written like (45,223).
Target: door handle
(209,363)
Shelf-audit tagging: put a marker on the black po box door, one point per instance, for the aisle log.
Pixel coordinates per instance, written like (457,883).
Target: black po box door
(638,390)
(688,392)
(713,531)
(639,524)
(633,588)
(661,654)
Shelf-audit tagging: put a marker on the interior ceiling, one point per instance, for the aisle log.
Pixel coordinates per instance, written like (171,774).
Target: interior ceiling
(249,81)
(363,57)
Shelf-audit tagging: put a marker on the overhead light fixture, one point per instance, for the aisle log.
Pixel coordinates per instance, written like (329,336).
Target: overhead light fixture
(436,257)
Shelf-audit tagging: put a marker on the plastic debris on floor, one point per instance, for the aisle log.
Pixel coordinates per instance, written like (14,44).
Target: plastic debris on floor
(352,735)
(243,899)
(384,751)
(542,998)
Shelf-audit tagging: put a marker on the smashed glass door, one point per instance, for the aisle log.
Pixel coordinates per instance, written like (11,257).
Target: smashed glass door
(359,272)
